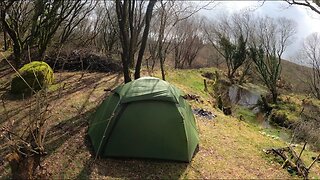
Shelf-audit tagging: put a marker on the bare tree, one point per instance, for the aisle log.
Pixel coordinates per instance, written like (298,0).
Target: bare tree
(80,12)
(165,24)
(5,42)
(215,59)
(110,32)
(230,36)
(32,24)
(9,27)
(314,5)
(272,38)
(195,44)
(187,41)
(144,38)
(311,51)
(87,33)
(168,15)
(132,19)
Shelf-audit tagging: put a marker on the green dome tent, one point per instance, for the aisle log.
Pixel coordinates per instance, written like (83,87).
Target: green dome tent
(146,118)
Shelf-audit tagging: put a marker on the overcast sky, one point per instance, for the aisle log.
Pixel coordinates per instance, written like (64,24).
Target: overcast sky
(307,20)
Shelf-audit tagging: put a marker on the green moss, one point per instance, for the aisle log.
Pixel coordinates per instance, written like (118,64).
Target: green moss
(289,111)
(246,115)
(55,87)
(283,118)
(36,74)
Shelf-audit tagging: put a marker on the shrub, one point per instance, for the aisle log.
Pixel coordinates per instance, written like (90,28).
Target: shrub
(280,119)
(37,74)
(308,129)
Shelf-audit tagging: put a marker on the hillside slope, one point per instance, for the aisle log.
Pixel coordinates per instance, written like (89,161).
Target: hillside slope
(229,148)
(296,75)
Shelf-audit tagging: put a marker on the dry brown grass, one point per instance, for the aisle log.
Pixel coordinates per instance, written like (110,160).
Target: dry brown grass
(296,75)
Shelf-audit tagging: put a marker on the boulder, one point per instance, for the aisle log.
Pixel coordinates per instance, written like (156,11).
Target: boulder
(35,75)
(247,95)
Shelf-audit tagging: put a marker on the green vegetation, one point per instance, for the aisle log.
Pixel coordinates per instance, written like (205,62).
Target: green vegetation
(35,75)
(190,81)
(255,88)
(246,114)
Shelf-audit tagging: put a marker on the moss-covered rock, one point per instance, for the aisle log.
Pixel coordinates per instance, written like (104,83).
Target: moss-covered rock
(37,74)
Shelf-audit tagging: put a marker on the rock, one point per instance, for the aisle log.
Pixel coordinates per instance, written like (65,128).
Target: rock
(244,96)
(36,74)
(256,110)
(203,113)
(227,111)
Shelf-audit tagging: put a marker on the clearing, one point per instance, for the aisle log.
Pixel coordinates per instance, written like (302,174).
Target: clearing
(229,148)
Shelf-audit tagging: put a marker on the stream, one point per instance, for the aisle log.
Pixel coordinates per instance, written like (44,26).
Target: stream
(248,97)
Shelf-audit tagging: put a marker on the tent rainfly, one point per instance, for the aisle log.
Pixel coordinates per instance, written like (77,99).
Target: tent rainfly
(145,118)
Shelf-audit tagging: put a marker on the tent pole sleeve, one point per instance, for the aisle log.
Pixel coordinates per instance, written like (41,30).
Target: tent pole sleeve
(105,130)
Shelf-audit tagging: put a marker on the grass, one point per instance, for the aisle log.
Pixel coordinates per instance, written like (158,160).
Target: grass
(188,80)
(229,148)
(4,55)
(247,115)
(255,88)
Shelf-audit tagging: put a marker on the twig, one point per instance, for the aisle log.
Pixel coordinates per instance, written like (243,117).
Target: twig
(304,146)
(314,161)
(12,133)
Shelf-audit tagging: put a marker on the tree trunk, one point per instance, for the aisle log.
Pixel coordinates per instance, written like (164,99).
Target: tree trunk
(153,64)
(274,96)
(318,95)
(175,64)
(162,69)
(122,14)
(144,38)
(126,71)
(5,40)
(244,74)
(42,53)
(17,51)
(17,47)
(231,78)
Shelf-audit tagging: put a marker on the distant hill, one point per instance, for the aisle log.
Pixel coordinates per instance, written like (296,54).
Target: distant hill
(292,73)
(296,75)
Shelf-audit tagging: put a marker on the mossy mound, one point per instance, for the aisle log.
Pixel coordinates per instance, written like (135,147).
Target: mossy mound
(37,74)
